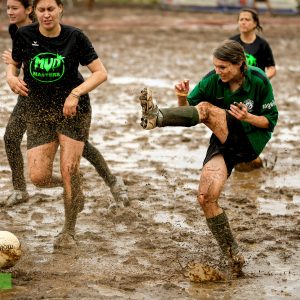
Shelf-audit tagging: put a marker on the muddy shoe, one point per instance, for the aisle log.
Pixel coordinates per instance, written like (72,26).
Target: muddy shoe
(16,197)
(114,208)
(149,109)
(65,241)
(237,263)
(119,192)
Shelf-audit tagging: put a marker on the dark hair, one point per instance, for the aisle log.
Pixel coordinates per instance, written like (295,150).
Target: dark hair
(233,52)
(26,4)
(254,16)
(58,2)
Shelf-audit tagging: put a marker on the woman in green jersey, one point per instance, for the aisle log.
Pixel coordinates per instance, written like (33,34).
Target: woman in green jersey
(236,103)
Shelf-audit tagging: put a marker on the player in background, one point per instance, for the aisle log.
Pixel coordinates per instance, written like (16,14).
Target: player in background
(257,49)
(235,101)
(20,13)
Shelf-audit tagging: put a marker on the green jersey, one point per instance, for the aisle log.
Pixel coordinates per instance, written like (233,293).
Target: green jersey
(256,93)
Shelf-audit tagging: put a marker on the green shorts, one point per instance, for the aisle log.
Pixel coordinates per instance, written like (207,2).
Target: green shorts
(45,123)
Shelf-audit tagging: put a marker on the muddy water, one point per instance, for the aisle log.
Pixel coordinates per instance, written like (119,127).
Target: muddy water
(141,252)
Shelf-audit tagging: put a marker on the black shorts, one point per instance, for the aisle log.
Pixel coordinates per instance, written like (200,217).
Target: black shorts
(236,148)
(44,124)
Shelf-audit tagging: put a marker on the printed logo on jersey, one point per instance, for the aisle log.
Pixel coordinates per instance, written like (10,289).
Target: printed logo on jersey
(250,104)
(47,67)
(250,59)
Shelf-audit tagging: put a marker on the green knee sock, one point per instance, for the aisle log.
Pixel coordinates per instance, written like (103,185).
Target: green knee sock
(185,116)
(219,226)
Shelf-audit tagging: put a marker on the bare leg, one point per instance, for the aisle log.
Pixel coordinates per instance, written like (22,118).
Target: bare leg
(40,165)
(71,151)
(212,181)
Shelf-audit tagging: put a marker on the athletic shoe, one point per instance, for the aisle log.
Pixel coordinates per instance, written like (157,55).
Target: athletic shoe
(119,192)
(149,109)
(237,262)
(15,198)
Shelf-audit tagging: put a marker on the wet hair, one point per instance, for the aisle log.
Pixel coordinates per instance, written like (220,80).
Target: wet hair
(58,2)
(255,16)
(26,4)
(233,52)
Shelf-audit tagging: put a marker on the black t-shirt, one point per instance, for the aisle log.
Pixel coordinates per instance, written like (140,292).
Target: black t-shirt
(51,64)
(258,54)
(12,29)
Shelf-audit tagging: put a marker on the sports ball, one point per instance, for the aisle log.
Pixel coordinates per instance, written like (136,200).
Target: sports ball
(10,249)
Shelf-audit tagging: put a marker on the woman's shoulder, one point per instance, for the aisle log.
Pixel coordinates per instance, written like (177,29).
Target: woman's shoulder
(261,40)
(28,28)
(257,74)
(70,29)
(236,37)
(12,29)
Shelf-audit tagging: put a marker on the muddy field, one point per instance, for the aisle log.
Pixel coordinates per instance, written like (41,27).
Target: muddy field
(142,251)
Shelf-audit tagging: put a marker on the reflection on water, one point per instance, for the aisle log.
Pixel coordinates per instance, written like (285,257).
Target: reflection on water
(278,207)
(172,218)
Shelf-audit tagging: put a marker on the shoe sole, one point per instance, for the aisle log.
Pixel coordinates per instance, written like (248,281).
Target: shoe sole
(149,109)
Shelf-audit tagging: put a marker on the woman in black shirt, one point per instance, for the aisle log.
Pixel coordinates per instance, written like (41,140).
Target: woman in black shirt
(58,111)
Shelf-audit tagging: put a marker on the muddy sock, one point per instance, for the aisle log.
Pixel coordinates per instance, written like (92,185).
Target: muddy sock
(71,205)
(16,162)
(219,226)
(97,160)
(185,116)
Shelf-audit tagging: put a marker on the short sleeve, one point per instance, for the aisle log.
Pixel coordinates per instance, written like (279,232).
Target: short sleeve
(18,48)
(87,53)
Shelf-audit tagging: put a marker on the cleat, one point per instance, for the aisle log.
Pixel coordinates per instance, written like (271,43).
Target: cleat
(115,207)
(17,197)
(119,192)
(149,109)
(237,262)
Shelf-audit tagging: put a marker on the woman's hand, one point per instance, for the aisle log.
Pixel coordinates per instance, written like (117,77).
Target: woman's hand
(238,110)
(17,85)
(182,88)
(70,106)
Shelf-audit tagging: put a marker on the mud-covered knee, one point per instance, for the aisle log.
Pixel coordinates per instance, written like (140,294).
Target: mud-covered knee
(202,200)
(39,180)
(203,110)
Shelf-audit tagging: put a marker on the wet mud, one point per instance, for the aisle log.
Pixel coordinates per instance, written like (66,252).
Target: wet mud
(142,251)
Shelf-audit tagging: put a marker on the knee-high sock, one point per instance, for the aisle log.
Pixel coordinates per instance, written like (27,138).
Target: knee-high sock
(94,156)
(185,116)
(219,226)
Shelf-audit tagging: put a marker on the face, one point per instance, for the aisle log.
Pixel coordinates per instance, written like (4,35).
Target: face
(226,70)
(17,13)
(48,14)
(246,22)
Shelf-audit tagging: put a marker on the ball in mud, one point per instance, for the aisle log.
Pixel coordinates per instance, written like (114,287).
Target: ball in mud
(10,249)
